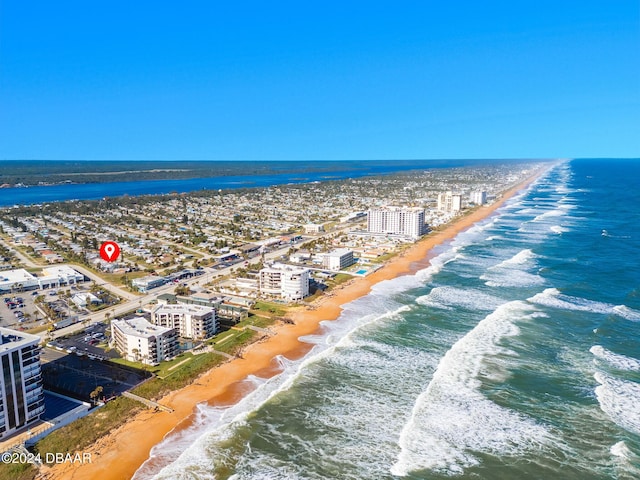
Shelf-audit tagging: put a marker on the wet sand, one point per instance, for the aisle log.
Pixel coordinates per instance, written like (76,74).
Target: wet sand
(120,453)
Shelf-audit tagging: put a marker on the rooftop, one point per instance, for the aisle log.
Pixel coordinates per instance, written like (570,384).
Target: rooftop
(182,308)
(12,339)
(339,252)
(18,275)
(139,327)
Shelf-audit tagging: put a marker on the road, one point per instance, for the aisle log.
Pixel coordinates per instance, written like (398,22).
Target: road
(134,301)
(140,301)
(26,261)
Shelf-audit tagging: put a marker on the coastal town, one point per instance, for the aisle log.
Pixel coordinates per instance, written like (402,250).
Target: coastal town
(198,278)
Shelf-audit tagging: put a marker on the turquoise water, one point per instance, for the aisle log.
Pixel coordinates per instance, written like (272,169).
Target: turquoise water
(515,355)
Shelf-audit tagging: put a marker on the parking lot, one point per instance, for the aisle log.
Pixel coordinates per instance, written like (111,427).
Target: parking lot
(91,341)
(18,311)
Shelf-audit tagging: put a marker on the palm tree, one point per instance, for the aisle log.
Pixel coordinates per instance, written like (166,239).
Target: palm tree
(95,394)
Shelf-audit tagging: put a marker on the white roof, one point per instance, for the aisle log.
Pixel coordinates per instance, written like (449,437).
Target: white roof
(339,252)
(12,339)
(139,327)
(61,271)
(183,308)
(13,276)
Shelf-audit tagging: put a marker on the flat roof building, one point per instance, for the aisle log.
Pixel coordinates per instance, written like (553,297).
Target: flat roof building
(397,221)
(52,277)
(65,275)
(338,259)
(147,283)
(21,390)
(285,281)
(449,202)
(191,321)
(140,341)
(17,279)
(479,197)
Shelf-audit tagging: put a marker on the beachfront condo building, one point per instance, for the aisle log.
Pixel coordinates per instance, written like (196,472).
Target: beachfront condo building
(407,221)
(449,202)
(479,197)
(140,341)
(288,282)
(191,321)
(22,395)
(338,259)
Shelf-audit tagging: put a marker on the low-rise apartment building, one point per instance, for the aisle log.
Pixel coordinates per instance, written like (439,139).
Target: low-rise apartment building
(191,321)
(338,259)
(140,341)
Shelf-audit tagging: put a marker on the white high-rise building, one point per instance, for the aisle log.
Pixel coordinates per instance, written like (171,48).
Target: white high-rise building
(191,321)
(449,202)
(285,281)
(479,197)
(141,341)
(397,221)
(22,395)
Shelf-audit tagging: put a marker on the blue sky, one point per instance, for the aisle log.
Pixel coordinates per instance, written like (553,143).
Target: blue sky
(319,80)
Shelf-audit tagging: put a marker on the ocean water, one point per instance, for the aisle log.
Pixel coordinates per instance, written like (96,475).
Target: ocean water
(515,355)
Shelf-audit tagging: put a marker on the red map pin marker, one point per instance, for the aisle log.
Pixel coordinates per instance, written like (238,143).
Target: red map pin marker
(109,251)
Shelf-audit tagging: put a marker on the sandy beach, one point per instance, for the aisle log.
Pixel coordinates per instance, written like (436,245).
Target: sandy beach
(118,455)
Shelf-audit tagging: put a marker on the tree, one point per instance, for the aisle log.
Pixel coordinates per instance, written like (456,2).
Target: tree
(95,394)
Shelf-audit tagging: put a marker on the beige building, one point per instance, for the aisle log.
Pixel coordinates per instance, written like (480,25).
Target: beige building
(191,321)
(449,202)
(314,228)
(140,341)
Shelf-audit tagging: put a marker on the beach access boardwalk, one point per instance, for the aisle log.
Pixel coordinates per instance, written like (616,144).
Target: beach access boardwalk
(147,402)
(210,349)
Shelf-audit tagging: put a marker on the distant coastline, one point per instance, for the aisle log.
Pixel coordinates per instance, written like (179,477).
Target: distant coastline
(19,180)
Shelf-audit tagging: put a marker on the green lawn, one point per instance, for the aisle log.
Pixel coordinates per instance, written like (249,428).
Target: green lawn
(17,471)
(180,377)
(270,308)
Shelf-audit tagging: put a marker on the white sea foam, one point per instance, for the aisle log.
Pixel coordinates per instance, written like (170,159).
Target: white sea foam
(627,459)
(452,418)
(448,297)
(627,313)
(558,212)
(520,258)
(617,361)
(619,399)
(551,297)
(508,277)
(621,450)
(217,422)
(558,229)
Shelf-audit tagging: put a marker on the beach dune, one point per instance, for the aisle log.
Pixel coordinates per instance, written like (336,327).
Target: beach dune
(118,455)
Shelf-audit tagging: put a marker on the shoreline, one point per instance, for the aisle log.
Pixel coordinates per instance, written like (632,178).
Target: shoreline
(119,454)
